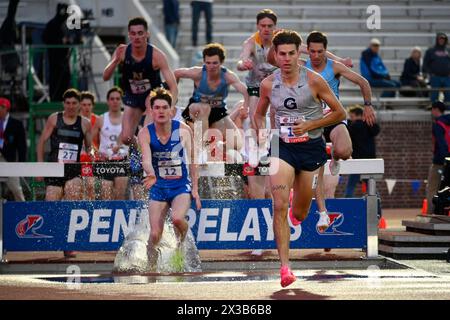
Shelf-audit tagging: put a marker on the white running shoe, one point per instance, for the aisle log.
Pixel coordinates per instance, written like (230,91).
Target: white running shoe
(257,252)
(323,223)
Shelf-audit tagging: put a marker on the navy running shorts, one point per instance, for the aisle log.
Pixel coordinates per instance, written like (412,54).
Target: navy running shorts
(307,156)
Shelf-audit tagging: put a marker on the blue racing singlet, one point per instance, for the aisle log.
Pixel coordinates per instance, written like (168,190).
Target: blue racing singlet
(328,74)
(169,160)
(217,98)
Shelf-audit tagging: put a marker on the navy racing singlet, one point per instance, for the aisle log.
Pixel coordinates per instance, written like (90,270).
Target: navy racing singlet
(139,78)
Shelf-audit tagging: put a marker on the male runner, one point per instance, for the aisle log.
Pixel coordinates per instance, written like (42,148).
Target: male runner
(208,102)
(254,58)
(142,65)
(107,130)
(166,151)
(87,104)
(337,134)
(67,131)
(295,94)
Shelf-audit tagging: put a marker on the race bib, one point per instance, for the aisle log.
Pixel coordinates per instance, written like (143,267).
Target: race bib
(170,169)
(213,101)
(68,152)
(140,86)
(287,130)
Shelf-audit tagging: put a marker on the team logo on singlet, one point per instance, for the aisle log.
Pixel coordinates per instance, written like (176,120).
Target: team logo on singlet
(289,103)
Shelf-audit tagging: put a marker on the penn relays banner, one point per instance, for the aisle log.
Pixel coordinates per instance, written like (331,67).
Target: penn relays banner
(220,224)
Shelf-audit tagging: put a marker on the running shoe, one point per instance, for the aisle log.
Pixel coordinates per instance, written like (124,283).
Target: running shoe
(294,220)
(324,222)
(70,254)
(177,261)
(257,252)
(287,277)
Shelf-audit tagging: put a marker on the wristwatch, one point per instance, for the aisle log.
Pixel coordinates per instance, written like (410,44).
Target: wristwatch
(367,103)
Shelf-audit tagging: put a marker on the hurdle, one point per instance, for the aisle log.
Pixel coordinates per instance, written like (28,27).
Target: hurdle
(370,169)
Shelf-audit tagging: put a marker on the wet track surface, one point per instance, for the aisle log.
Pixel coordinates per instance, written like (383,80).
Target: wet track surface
(147,279)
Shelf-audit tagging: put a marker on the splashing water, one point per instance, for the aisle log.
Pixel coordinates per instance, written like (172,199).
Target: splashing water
(137,254)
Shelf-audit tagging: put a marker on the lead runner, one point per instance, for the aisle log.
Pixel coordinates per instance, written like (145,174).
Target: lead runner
(295,93)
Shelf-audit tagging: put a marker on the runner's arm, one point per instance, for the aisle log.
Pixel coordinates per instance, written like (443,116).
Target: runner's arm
(233,80)
(187,73)
(117,57)
(244,62)
(48,129)
(259,118)
(87,130)
(144,142)
(96,130)
(188,144)
(167,73)
(366,91)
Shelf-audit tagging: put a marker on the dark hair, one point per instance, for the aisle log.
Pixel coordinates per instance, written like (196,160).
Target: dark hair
(160,93)
(287,37)
(114,89)
(138,21)
(439,105)
(72,93)
(87,95)
(356,110)
(214,49)
(317,37)
(266,13)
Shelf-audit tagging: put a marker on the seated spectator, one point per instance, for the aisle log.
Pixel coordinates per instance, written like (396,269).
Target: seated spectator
(412,75)
(363,143)
(374,70)
(437,64)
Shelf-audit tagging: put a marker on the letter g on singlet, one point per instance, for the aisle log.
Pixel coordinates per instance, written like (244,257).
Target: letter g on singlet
(289,103)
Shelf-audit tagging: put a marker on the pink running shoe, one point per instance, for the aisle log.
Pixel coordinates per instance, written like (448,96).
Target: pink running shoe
(294,220)
(287,277)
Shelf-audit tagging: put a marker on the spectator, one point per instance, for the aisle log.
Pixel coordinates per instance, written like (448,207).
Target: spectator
(437,64)
(374,70)
(412,75)
(56,33)
(13,145)
(440,130)
(363,143)
(197,7)
(8,39)
(171,11)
